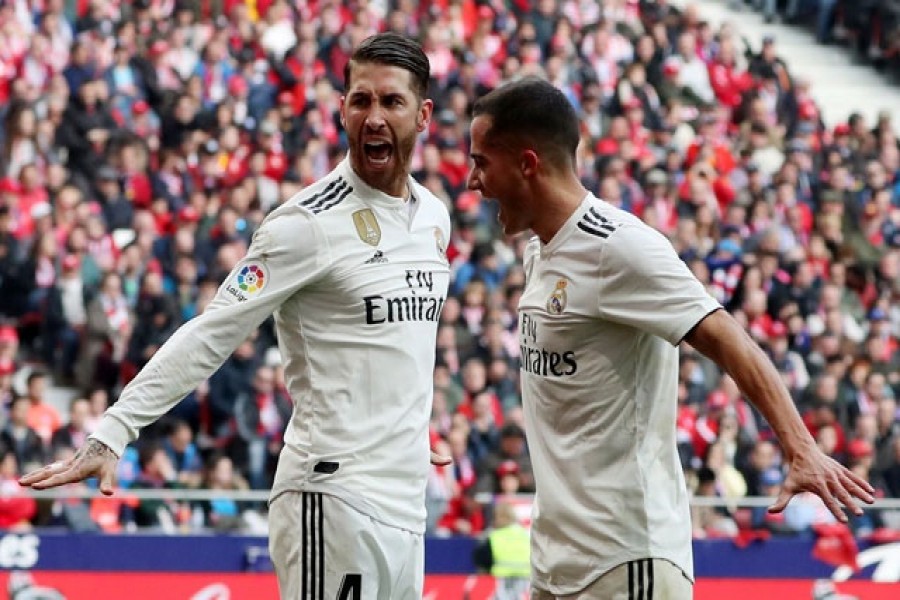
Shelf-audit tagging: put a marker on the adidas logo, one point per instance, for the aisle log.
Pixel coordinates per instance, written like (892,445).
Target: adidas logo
(379,257)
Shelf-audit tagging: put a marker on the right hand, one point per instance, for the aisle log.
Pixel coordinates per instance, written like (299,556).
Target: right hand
(94,459)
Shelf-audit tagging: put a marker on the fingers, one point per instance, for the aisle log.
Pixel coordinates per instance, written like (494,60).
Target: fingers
(851,489)
(440,460)
(782,501)
(108,481)
(862,489)
(67,476)
(61,473)
(835,507)
(42,474)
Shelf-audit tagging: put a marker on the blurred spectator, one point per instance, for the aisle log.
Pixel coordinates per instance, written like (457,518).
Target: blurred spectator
(74,433)
(770,481)
(156,316)
(709,521)
(17,508)
(505,553)
(464,516)
(108,330)
(20,439)
(65,319)
(222,513)
(860,459)
(260,418)
(43,417)
(511,448)
(157,472)
(183,454)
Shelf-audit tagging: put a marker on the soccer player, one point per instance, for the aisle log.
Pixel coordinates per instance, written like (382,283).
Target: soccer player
(606,303)
(355,271)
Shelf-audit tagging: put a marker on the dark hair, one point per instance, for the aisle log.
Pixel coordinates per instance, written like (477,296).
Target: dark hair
(36,374)
(394,50)
(533,112)
(147,452)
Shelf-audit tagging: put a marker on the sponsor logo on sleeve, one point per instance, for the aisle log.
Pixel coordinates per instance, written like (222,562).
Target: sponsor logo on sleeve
(248,282)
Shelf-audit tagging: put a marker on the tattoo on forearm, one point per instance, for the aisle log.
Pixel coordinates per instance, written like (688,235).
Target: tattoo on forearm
(94,448)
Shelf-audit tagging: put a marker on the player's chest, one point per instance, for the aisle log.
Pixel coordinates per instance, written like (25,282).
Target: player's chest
(560,291)
(380,257)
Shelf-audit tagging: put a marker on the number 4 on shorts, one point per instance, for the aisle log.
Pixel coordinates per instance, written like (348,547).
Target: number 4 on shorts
(351,587)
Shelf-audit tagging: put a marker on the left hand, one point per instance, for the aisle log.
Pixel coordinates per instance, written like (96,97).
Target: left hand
(814,471)
(440,460)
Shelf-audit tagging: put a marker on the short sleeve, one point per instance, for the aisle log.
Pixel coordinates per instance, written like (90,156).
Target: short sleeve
(645,285)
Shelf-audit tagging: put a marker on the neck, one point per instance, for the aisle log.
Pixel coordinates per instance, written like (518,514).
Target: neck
(390,184)
(561,195)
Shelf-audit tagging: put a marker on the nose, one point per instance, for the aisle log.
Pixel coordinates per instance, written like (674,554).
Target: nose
(472,181)
(375,118)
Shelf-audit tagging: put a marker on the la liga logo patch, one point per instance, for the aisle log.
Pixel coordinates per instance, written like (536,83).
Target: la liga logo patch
(248,282)
(252,278)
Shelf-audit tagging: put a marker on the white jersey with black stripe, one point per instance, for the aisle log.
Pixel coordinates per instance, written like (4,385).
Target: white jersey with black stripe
(356,285)
(605,304)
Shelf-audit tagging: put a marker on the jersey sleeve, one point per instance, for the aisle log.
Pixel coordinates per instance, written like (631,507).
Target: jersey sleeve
(287,252)
(645,285)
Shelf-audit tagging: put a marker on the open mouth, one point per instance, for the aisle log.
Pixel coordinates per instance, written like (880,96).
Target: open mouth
(378,153)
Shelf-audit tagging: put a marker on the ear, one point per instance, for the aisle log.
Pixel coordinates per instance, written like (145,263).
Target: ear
(423,119)
(528,163)
(341,110)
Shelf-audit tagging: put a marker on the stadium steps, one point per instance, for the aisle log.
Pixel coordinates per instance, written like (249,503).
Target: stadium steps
(840,85)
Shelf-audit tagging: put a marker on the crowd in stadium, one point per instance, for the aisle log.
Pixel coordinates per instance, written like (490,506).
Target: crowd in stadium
(141,144)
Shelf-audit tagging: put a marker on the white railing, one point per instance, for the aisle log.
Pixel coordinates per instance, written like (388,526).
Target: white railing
(262,496)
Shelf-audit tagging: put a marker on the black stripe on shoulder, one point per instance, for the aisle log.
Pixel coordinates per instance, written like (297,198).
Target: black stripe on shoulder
(308,202)
(597,214)
(331,203)
(602,224)
(324,198)
(588,228)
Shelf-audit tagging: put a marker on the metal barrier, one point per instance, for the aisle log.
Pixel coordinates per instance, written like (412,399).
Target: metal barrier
(262,496)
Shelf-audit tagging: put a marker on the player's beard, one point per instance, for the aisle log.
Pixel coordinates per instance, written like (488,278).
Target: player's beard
(390,176)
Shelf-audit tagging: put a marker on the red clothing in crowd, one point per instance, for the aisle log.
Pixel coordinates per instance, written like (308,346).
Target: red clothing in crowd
(456,510)
(16,507)
(729,84)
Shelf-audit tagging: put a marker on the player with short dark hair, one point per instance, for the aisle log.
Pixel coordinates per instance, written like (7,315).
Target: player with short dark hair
(355,270)
(606,303)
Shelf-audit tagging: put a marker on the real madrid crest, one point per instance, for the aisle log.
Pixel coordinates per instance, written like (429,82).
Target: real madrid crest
(440,242)
(557,302)
(367,226)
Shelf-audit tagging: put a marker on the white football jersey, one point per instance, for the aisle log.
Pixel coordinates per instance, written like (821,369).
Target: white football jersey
(605,304)
(356,282)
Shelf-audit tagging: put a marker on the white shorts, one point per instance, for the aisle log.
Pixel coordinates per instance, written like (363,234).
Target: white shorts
(647,579)
(324,549)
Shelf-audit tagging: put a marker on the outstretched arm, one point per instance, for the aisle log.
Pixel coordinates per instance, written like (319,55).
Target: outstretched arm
(284,256)
(723,340)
